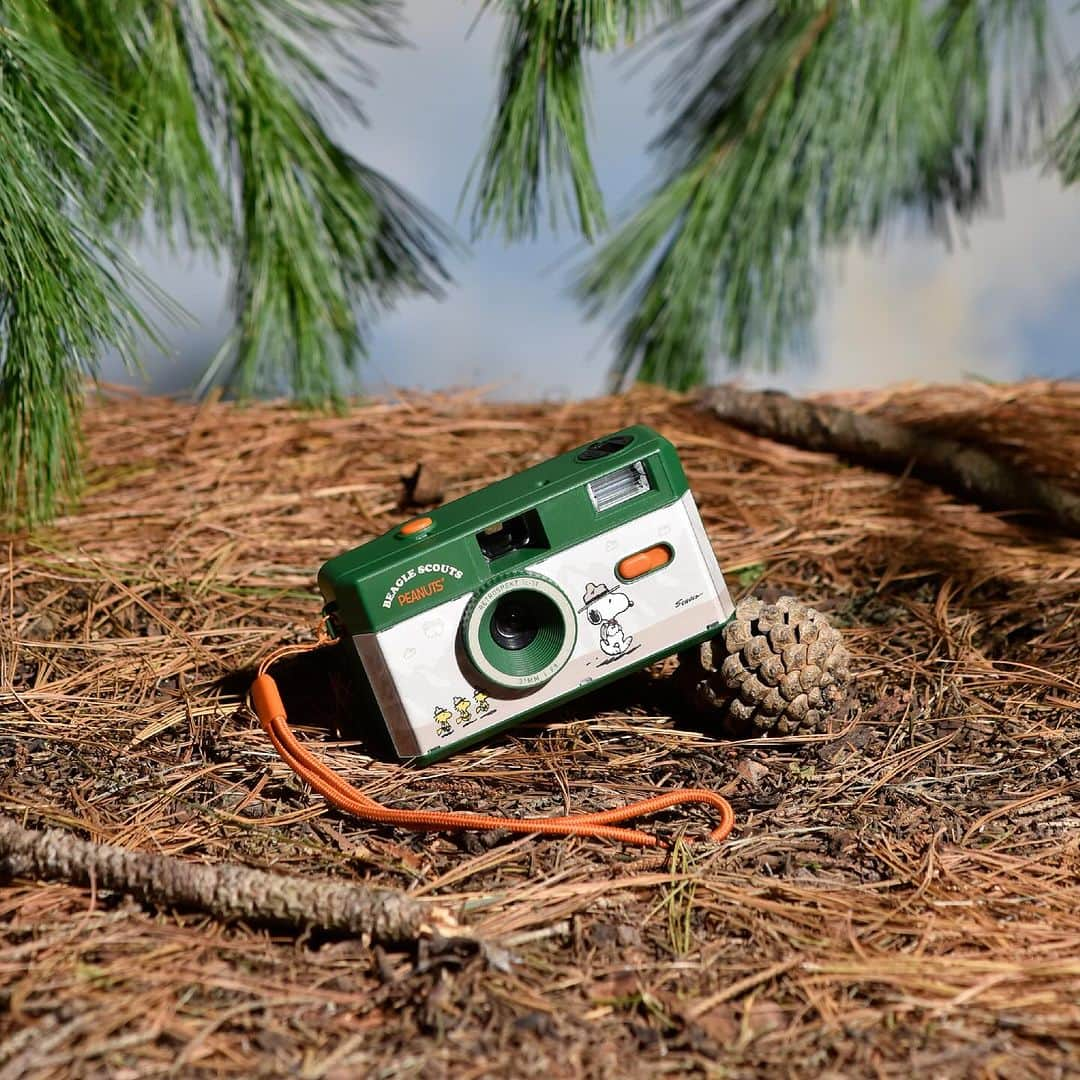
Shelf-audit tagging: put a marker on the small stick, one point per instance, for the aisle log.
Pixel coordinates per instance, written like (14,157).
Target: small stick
(959,467)
(227,891)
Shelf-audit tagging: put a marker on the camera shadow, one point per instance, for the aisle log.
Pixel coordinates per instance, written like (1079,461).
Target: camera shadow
(320,694)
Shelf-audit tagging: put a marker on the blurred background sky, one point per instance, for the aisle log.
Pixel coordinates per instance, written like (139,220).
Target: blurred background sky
(1003,304)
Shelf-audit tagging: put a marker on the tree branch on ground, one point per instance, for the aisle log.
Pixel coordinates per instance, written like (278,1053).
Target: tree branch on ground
(966,470)
(227,891)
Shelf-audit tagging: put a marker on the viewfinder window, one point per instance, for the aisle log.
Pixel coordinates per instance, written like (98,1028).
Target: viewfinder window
(502,537)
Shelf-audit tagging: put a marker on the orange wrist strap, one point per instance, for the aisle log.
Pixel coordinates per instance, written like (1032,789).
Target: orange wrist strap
(270,710)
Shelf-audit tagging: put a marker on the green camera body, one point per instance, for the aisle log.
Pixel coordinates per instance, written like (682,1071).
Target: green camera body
(536,589)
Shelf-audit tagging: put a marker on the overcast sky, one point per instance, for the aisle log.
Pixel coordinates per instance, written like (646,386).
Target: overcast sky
(1004,303)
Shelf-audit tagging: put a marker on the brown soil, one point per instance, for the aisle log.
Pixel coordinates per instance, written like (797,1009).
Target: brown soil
(899,897)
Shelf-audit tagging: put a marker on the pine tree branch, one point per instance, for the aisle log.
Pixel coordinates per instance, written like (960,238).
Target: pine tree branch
(64,289)
(800,128)
(1065,147)
(208,114)
(966,470)
(539,139)
(226,95)
(226,891)
(322,241)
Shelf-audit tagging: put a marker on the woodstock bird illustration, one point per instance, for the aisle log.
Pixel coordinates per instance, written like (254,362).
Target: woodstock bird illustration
(443,716)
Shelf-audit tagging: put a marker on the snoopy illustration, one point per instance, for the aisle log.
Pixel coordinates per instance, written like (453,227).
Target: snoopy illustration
(442,721)
(463,705)
(481,704)
(603,606)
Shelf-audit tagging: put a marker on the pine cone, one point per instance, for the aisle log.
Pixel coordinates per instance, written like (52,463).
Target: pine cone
(775,668)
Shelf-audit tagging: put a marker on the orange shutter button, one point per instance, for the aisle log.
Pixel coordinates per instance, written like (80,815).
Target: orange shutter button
(642,562)
(411,528)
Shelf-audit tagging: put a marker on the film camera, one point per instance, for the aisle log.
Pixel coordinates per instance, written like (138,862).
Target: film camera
(524,594)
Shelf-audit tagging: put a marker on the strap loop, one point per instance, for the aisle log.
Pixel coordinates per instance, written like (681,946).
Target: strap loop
(268,706)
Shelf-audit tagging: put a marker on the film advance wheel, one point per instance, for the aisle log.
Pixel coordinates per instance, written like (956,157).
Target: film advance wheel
(520,631)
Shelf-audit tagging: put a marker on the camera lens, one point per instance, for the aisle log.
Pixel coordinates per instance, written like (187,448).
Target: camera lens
(515,620)
(520,631)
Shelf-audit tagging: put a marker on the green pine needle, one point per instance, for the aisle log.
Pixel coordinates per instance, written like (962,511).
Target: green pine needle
(206,113)
(1065,147)
(63,297)
(322,241)
(799,129)
(539,137)
(796,128)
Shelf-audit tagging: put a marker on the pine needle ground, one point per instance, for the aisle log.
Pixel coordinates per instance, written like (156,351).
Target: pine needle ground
(899,897)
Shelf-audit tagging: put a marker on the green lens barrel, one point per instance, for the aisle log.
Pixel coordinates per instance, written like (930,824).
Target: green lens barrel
(520,631)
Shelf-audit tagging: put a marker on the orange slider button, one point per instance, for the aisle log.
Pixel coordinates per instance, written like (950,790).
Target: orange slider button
(411,528)
(643,562)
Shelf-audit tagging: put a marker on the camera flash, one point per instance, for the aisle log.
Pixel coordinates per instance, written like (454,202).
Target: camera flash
(619,486)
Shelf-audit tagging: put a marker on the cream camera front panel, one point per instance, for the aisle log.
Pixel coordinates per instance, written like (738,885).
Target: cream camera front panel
(430,698)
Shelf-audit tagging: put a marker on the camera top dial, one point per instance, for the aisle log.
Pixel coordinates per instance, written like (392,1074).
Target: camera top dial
(603,447)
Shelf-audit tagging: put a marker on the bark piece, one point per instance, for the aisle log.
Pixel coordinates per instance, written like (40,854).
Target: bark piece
(424,486)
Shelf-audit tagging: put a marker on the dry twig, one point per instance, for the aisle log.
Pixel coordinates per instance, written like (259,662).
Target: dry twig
(227,891)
